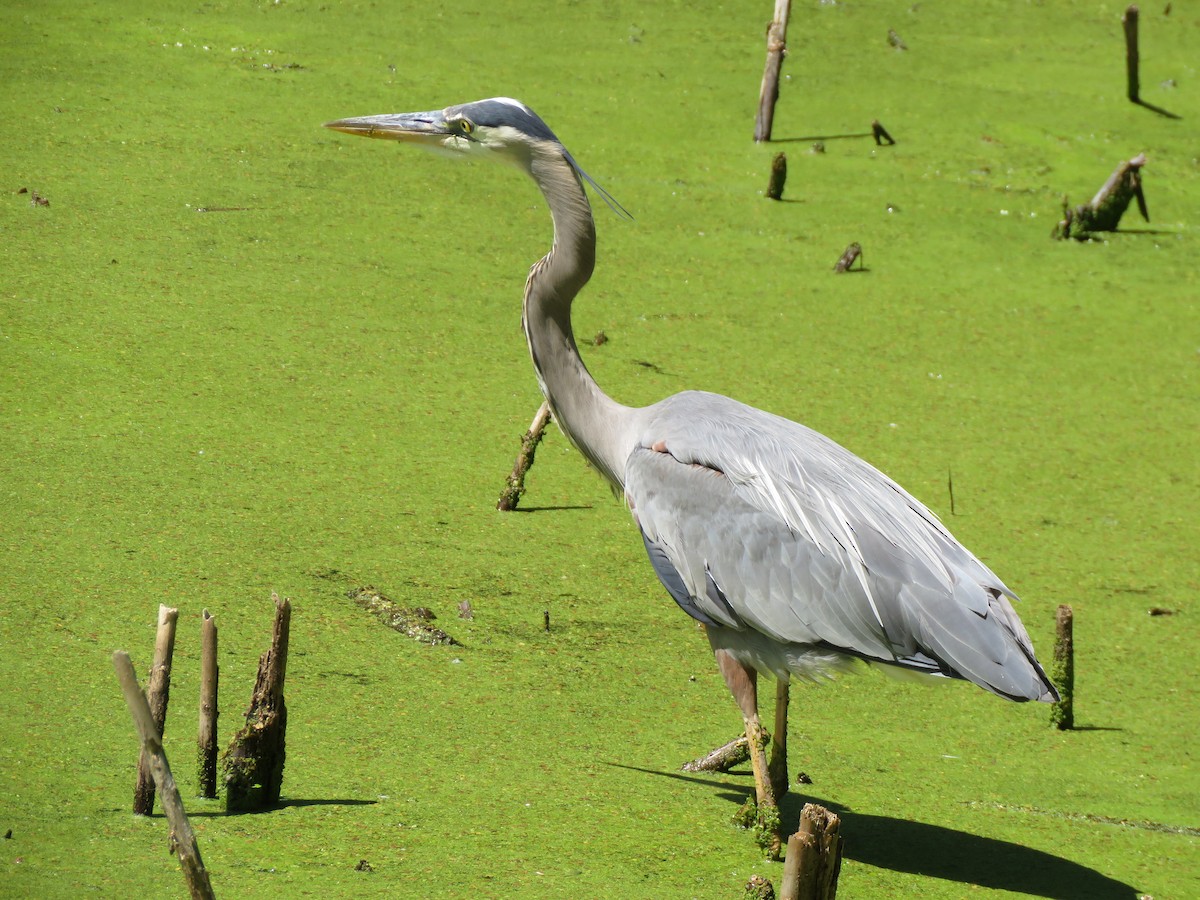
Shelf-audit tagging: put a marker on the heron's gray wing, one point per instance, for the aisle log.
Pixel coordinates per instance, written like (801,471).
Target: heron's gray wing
(809,544)
(728,563)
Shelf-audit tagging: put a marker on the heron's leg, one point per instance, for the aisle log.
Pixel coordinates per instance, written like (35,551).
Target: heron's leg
(778,768)
(743,684)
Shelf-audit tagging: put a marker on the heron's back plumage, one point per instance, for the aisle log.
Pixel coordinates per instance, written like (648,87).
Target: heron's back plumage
(761,526)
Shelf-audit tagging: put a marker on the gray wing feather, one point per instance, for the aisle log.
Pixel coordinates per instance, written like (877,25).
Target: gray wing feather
(807,544)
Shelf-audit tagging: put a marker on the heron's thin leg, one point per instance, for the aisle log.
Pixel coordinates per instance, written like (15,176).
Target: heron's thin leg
(743,684)
(778,768)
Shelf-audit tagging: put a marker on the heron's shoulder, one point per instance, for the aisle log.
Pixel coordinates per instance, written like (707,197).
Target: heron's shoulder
(809,482)
(710,429)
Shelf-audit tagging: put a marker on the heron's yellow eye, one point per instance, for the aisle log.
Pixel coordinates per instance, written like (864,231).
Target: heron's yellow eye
(464,126)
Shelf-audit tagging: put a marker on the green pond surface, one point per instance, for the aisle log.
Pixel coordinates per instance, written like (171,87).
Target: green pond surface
(242,353)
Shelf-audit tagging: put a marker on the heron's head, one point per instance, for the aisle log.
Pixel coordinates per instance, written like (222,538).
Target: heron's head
(500,128)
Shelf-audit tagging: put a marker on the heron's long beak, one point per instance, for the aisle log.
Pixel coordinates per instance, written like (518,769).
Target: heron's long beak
(418,128)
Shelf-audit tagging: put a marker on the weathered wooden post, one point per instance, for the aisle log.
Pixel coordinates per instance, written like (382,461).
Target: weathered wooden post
(778,177)
(1130,23)
(776,49)
(814,857)
(183,839)
(515,485)
(157,694)
(1062,712)
(206,739)
(254,761)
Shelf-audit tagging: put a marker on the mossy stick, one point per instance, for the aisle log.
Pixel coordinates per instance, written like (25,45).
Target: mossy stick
(1062,713)
(723,758)
(778,177)
(515,485)
(206,739)
(254,761)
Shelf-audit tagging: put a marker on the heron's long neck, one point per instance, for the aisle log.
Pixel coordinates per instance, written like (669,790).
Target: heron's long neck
(596,424)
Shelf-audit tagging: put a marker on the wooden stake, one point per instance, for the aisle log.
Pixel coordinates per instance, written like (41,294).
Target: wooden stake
(1130,22)
(158,693)
(778,177)
(776,49)
(183,839)
(515,485)
(254,761)
(206,739)
(1062,712)
(814,857)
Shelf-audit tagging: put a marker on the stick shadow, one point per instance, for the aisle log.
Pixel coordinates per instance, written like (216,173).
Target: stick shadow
(821,137)
(933,851)
(284,803)
(1155,109)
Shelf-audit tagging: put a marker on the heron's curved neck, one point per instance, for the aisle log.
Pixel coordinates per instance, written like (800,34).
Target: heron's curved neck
(593,421)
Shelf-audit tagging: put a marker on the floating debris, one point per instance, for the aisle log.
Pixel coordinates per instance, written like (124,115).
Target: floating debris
(413,622)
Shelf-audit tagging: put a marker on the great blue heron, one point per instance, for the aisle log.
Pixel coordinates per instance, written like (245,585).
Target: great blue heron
(797,556)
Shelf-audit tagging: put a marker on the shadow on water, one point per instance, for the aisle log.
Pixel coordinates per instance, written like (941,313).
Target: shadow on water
(1156,109)
(933,851)
(285,803)
(822,137)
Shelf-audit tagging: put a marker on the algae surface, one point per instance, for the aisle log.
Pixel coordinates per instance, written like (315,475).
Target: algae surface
(240,353)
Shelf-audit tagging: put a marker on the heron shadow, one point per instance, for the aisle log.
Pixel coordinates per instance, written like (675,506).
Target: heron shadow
(535,509)
(934,851)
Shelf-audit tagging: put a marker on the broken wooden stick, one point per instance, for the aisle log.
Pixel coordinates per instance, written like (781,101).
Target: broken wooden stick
(206,737)
(515,485)
(158,692)
(849,255)
(776,50)
(1062,670)
(723,758)
(183,839)
(253,763)
(1104,211)
(814,857)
